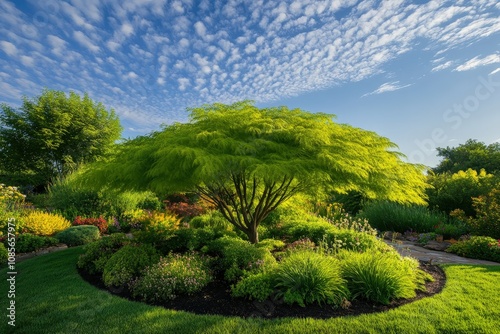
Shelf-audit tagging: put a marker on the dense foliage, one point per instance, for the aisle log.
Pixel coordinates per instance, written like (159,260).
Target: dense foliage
(52,134)
(473,154)
(390,216)
(477,247)
(128,263)
(78,235)
(247,161)
(172,275)
(455,191)
(44,223)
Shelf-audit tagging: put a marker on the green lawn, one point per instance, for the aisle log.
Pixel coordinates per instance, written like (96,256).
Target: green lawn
(52,298)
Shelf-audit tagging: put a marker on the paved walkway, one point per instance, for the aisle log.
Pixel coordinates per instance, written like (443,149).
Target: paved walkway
(408,248)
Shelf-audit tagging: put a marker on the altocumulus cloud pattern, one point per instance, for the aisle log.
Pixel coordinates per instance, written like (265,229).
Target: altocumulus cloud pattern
(150,59)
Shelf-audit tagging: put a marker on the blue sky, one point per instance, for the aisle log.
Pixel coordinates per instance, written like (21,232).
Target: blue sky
(425,74)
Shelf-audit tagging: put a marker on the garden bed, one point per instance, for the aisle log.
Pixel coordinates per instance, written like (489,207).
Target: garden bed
(216,298)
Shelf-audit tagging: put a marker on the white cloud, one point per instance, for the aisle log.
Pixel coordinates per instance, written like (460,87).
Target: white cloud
(442,66)
(8,48)
(198,51)
(388,87)
(177,7)
(81,38)
(200,29)
(495,71)
(250,48)
(478,62)
(57,44)
(127,29)
(131,75)
(113,46)
(27,61)
(183,83)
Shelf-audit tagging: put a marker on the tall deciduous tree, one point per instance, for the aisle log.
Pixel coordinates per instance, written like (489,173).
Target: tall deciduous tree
(247,161)
(52,134)
(473,154)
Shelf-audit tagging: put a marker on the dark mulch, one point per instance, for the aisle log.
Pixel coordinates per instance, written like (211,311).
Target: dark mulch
(216,299)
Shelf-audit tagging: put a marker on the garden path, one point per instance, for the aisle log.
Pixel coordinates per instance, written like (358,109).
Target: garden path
(408,248)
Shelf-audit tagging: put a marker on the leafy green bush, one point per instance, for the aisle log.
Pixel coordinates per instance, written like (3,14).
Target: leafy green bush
(477,247)
(455,191)
(424,238)
(390,216)
(455,230)
(381,277)
(237,256)
(213,219)
(271,244)
(4,254)
(258,286)
(306,277)
(97,253)
(127,264)
(172,276)
(487,220)
(78,235)
(28,242)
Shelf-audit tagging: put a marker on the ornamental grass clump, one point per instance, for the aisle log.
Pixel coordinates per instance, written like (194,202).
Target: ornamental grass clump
(382,277)
(172,276)
(307,277)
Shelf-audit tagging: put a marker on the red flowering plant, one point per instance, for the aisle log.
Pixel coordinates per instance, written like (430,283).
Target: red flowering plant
(100,222)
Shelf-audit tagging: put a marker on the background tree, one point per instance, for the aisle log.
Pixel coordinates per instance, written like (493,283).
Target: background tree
(473,154)
(246,161)
(456,191)
(52,134)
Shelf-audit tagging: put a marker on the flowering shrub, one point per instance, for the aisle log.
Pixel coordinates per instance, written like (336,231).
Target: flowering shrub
(9,197)
(172,276)
(100,222)
(484,248)
(338,217)
(43,223)
(301,245)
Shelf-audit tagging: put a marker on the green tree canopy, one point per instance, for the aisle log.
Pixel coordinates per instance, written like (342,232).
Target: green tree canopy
(247,161)
(52,134)
(455,191)
(473,154)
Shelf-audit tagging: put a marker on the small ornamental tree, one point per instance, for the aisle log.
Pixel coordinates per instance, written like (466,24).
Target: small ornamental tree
(247,161)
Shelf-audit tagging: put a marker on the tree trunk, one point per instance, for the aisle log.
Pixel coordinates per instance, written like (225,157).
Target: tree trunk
(253,235)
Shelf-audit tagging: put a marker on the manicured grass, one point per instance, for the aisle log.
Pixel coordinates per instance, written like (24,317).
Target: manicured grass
(52,298)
